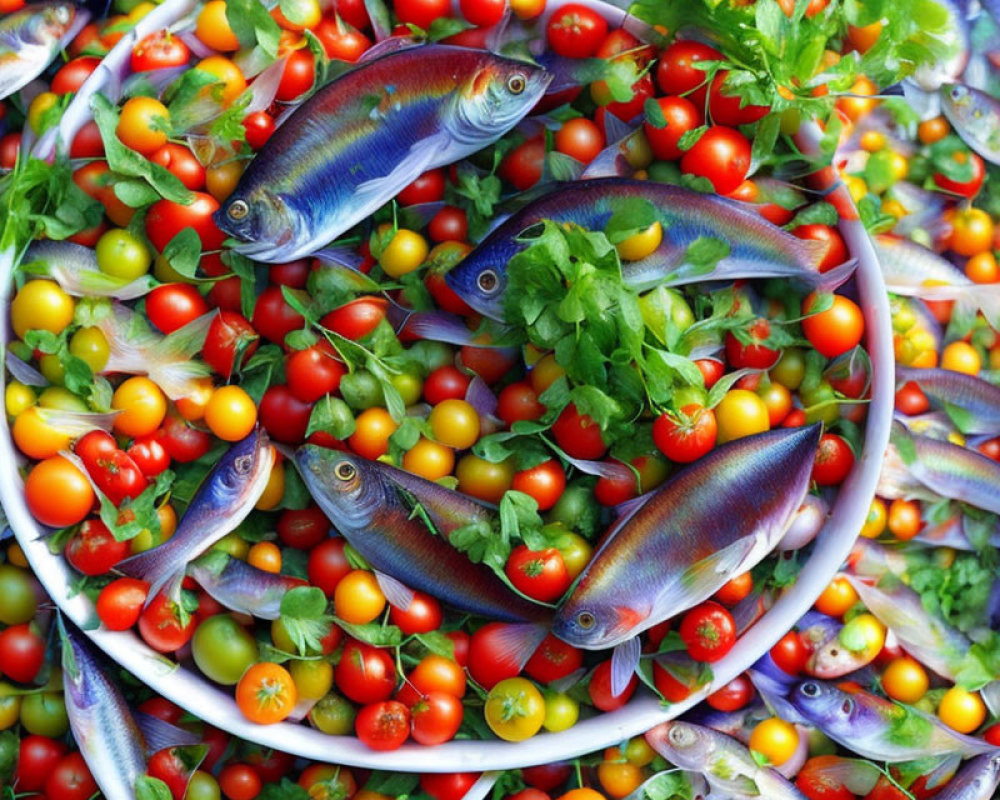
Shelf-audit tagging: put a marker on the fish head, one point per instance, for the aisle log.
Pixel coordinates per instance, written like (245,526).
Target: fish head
(266,224)
(494,98)
(345,486)
(584,621)
(683,744)
(822,704)
(52,21)
(480,279)
(958,96)
(241,470)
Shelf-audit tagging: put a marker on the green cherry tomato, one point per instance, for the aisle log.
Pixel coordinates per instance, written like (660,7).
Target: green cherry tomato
(333,715)
(122,255)
(223,649)
(17,595)
(44,714)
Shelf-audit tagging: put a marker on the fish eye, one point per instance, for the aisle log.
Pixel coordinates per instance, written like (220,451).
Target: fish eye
(810,689)
(243,464)
(344,471)
(488,281)
(586,620)
(848,706)
(238,209)
(516,84)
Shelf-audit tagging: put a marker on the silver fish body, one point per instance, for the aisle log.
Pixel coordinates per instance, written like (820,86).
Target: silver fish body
(976,780)
(240,586)
(31,37)
(972,403)
(224,499)
(975,116)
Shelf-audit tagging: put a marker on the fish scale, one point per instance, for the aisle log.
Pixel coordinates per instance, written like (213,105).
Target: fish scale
(363,137)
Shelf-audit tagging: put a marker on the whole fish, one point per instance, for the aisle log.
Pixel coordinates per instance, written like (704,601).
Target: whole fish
(915,271)
(712,520)
(929,469)
(224,499)
(240,586)
(975,116)
(925,636)
(972,403)
(377,508)
(168,360)
(738,724)
(976,780)
(74,268)
(114,742)
(877,728)
(360,139)
(30,39)
(727,765)
(758,249)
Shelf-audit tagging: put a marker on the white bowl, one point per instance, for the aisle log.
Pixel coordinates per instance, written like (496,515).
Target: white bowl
(194,693)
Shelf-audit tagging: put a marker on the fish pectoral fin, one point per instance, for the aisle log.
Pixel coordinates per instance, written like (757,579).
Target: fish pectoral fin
(397,593)
(159,735)
(520,639)
(624,662)
(702,579)
(374,193)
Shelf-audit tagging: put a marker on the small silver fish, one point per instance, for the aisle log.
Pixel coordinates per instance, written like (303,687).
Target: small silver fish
(977,780)
(31,37)
(240,586)
(74,268)
(224,499)
(976,118)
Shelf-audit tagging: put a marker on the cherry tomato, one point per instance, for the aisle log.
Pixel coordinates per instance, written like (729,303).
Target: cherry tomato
(680,116)
(578,434)
(165,219)
(385,725)
(515,709)
(676,73)
(445,383)
(22,652)
(372,430)
(57,493)
(728,109)
(790,653)
(283,415)
(182,442)
(576,31)
(961,710)
(266,693)
(36,759)
(599,689)
(905,680)
(753,353)
(71,779)
(541,575)
(436,718)
(836,249)
(447,785)
(836,330)
(428,188)
(120,603)
(72,74)
(161,628)
(365,674)
(159,50)
(544,482)
(818,779)
(722,155)
(553,660)
(423,615)
(240,782)
(314,372)
(420,12)
(114,472)
(490,659)
(735,589)
(708,631)
(436,673)
(834,460)
(688,436)
(142,124)
(341,41)
(967,188)
(522,166)
(837,598)
(174,305)
(774,739)
(733,696)
(328,565)
(298,77)
(581,139)
(355,320)
(93,550)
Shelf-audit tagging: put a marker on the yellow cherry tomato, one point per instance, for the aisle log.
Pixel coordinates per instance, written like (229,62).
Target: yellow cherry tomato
(429,459)
(372,430)
(193,406)
(856,186)
(213,28)
(41,305)
(962,710)
(404,253)
(904,519)
(972,232)
(933,130)
(863,634)
(231,413)
(38,111)
(275,488)
(143,406)
(455,423)
(143,124)
(221,178)
(561,712)
(141,10)
(515,709)
(740,413)
(617,776)
(233,82)
(576,551)
(484,479)
(313,678)
(545,372)
(35,437)
(17,398)
(876,520)
(642,244)
(774,739)
(857,107)
(121,254)
(872,141)
(905,680)
(982,268)
(358,598)
(265,556)
(91,347)
(961,357)
(837,598)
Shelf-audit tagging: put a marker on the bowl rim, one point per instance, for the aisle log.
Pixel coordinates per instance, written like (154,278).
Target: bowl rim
(216,705)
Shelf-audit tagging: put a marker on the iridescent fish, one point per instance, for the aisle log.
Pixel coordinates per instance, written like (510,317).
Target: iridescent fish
(30,39)
(758,249)
(134,349)
(972,403)
(712,520)
(74,268)
(727,765)
(384,513)
(976,780)
(114,742)
(224,499)
(925,636)
(975,116)
(240,586)
(877,728)
(915,271)
(353,145)
(921,467)
(738,724)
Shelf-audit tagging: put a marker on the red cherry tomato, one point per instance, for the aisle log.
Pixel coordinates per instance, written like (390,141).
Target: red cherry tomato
(834,460)
(174,305)
(355,320)
(688,436)
(159,50)
(790,653)
(228,333)
(72,74)
(722,155)
(314,372)
(161,627)
(428,188)
(522,166)
(578,434)
(599,689)
(120,603)
(490,659)
(283,415)
(727,109)
(421,12)
(680,116)
(182,164)
(541,575)
(733,696)
(677,74)
(576,31)
(708,631)
(93,550)
(22,652)
(299,75)
(553,660)
(384,726)
(258,126)
(365,674)
(165,219)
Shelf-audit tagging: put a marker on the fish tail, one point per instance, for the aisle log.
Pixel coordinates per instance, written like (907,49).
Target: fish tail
(985,300)
(157,568)
(521,640)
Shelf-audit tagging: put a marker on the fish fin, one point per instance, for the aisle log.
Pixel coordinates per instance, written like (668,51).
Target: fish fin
(836,277)
(702,579)
(374,193)
(521,640)
(481,397)
(629,507)
(397,593)
(378,13)
(435,326)
(160,735)
(156,567)
(624,663)
(420,215)
(341,256)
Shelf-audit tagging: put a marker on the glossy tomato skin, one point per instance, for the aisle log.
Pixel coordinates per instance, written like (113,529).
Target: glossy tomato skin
(722,155)
(93,550)
(834,460)
(181,441)
(754,354)
(72,74)
(149,455)
(303,528)
(71,779)
(314,372)
(599,689)
(553,660)
(688,436)
(423,615)
(22,652)
(708,631)
(544,482)
(161,628)
(817,782)
(578,434)
(159,50)
(969,188)
(259,127)
(273,317)
(790,654)
(283,415)
(522,166)
(365,674)
(541,575)
(490,661)
(428,188)
(836,248)
(383,726)
(576,31)
(328,564)
(436,718)
(37,758)
(228,331)
(114,471)
(355,320)
(681,116)
(733,696)
(725,108)
(174,305)
(445,383)
(298,77)
(421,12)
(676,73)
(120,603)
(182,164)
(165,219)
(547,776)
(447,785)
